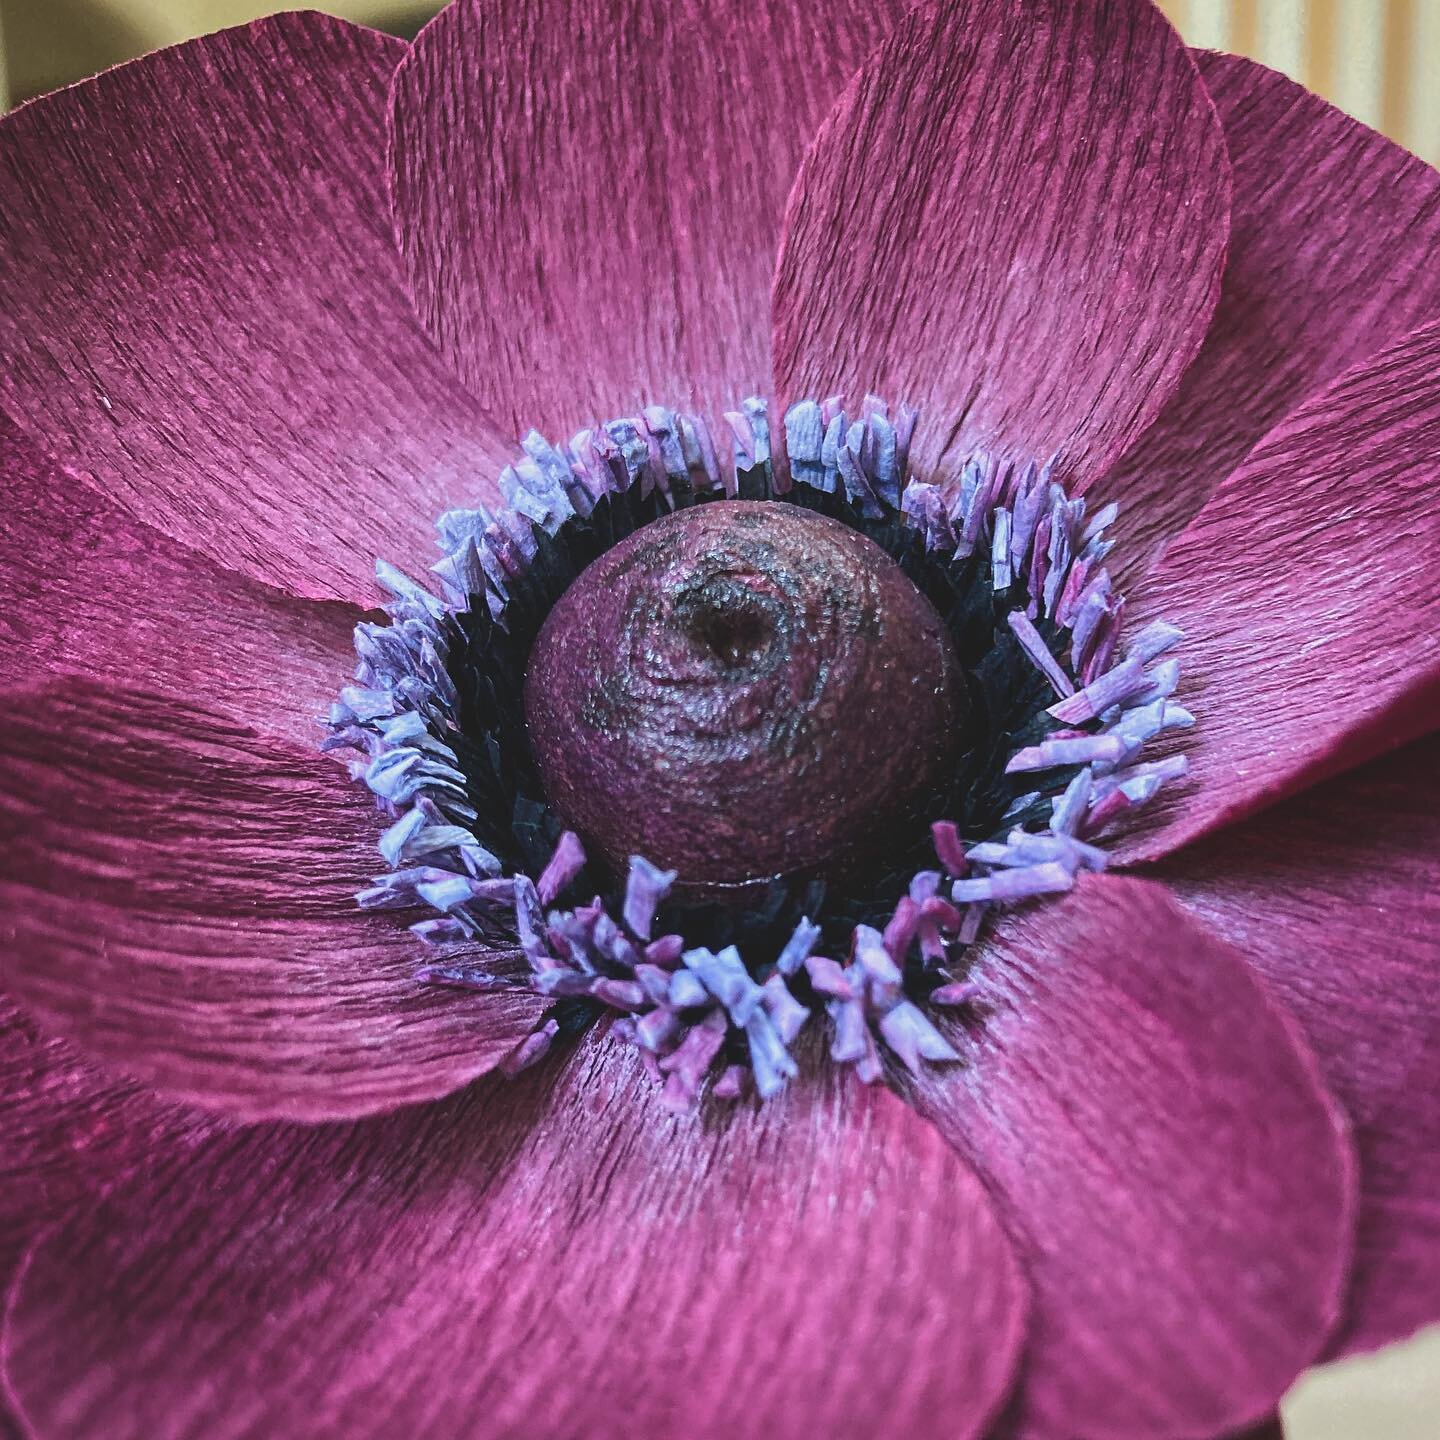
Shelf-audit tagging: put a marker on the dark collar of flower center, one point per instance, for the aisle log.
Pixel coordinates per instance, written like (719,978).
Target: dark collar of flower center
(770,696)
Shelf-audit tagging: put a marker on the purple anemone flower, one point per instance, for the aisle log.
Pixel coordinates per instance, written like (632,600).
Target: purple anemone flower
(810,960)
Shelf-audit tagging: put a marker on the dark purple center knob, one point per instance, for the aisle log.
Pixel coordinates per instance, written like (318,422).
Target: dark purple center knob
(742,690)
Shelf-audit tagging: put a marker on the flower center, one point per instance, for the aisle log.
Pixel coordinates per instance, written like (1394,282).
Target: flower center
(859,708)
(740,691)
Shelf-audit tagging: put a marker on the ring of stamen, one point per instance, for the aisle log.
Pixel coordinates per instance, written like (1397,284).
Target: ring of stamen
(1003,554)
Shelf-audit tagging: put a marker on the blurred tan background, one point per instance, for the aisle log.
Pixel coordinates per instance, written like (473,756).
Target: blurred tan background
(1378,59)
(46,43)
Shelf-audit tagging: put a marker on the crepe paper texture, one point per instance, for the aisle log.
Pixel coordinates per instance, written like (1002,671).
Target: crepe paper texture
(1158,1129)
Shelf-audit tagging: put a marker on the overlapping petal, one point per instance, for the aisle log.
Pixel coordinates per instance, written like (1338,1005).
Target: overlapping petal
(179,895)
(202,313)
(91,590)
(589,193)
(555,1257)
(1015,219)
(1335,897)
(1178,1183)
(1333,234)
(1306,589)
(67,1130)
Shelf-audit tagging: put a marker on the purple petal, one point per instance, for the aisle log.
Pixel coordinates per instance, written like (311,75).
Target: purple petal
(1032,264)
(1333,236)
(67,1129)
(569,222)
(1178,1180)
(462,1261)
(179,900)
(1339,507)
(91,589)
(202,312)
(1332,896)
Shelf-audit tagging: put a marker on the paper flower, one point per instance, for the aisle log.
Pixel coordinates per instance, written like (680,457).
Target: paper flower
(768,747)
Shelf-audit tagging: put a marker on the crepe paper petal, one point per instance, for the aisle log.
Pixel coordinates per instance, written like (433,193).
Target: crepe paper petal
(67,1129)
(1177,1181)
(821,1266)
(1333,233)
(91,590)
(1306,591)
(179,899)
(591,224)
(1030,262)
(1332,896)
(202,311)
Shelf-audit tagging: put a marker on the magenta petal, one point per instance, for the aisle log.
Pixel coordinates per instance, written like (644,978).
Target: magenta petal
(66,1130)
(1015,219)
(559,1256)
(202,311)
(90,589)
(589,193)
(1333,235)
(1174,1175)
(1335,897)
(178,899)
(1306,591)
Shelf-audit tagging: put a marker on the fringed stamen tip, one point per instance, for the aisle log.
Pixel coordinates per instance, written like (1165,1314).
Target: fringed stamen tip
(955,994)
(531,1050)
